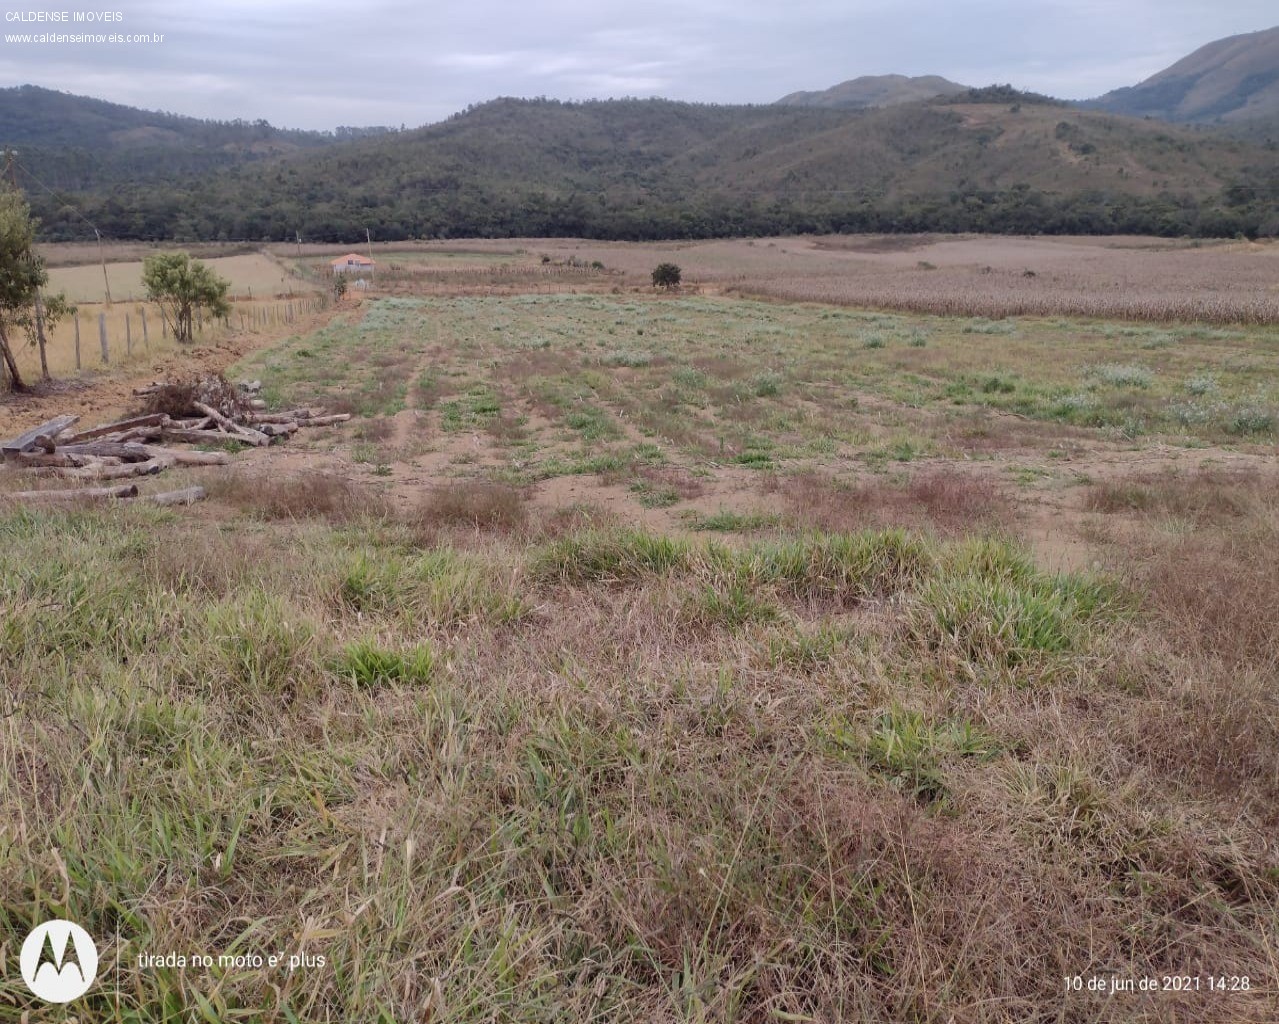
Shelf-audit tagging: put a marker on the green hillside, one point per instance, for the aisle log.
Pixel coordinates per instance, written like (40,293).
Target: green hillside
(875,91)
(77,142)
(1229,80)
(655,168)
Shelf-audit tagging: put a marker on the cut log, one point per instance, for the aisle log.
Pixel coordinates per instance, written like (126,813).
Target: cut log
(276,417)
(182,457)
(50,429)
(324,421)
(76,494)
(199,436)
(119,426)
(115,449)
(103,472)
(139,434)
(254,437)
(57,460)
(186,496)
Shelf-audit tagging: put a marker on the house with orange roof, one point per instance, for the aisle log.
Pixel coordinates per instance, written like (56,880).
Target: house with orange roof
(352,263)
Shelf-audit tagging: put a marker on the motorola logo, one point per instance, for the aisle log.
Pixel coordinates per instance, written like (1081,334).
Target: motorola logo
(59,961)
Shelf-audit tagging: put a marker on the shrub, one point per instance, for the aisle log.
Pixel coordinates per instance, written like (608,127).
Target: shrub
(766,384)
(666,276)
(1120,375)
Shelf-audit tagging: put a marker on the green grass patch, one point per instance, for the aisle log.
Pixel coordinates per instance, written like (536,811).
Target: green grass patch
(728,521)
(910,752)
(370,666)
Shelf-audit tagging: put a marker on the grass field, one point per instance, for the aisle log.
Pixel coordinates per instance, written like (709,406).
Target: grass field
(690,658)
(250,274)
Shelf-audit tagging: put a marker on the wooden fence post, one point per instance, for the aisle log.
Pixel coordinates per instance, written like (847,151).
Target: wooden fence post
(146,341)
(128,336)
(102,338)
(77,341)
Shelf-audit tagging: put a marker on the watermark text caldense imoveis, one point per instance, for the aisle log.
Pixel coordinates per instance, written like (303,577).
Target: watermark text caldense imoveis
(53,24)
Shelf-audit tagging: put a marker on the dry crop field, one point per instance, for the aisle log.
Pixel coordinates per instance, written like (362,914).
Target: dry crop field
(684,657)
(1125,278)
(249,274)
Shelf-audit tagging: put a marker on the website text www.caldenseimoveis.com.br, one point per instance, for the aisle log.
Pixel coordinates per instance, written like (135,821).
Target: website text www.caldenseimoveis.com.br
(82,20)
(87,37)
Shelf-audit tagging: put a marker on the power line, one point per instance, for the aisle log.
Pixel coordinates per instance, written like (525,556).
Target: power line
(14,162)
(65,205)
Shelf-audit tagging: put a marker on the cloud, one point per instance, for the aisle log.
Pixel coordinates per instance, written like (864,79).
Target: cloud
(476,61)
(317,63)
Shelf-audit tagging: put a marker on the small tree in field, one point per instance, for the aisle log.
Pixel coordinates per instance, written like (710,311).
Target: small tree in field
(666,275)
(339,287)
(22,275)
(180,286)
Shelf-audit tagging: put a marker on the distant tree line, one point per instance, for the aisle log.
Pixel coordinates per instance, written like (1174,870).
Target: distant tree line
(171,214)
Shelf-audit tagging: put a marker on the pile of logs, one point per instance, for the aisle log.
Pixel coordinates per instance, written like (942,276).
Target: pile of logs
(142,445)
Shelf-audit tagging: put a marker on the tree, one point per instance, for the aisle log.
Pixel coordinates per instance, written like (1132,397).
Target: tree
(180,286)
(22,275)
(666,275)
(339,287)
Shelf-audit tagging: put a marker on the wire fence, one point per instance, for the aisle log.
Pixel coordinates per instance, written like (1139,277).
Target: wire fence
(99,335)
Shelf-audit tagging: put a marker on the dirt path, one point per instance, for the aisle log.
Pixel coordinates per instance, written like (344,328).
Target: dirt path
(100,397)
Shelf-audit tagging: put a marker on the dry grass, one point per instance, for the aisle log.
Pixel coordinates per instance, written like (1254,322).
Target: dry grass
(379,428)
(679,789)
(250,274)
(297,496)
(944,500)
(1202,669)
(1126,278)
(474,504)
(873,763)
(1218,594)
(1201,495)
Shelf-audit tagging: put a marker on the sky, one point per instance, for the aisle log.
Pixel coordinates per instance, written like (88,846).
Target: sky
(323,63)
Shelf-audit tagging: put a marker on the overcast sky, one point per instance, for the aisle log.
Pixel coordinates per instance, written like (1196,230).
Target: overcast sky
(321,63)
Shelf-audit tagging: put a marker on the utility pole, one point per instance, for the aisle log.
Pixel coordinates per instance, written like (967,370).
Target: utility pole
(105,280)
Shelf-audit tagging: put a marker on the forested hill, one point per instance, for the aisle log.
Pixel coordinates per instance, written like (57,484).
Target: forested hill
(654,168)
(875,91)
(77,142)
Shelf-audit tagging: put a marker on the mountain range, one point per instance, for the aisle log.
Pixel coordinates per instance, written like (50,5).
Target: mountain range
(1234,80)
(887,153)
